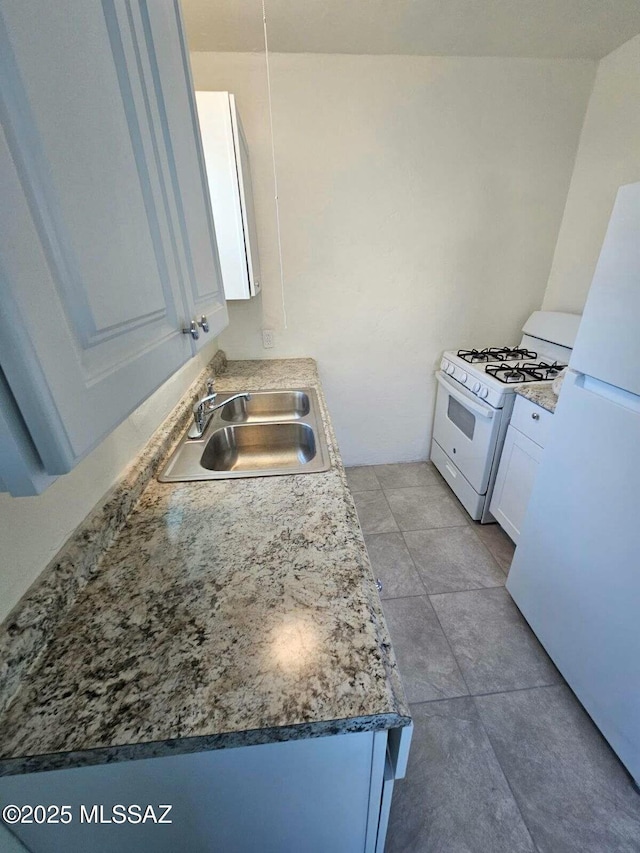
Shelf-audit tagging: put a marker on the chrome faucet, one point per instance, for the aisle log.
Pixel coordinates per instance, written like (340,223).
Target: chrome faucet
(204,408)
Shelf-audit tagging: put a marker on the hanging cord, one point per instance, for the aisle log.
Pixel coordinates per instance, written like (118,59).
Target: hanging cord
(273,157)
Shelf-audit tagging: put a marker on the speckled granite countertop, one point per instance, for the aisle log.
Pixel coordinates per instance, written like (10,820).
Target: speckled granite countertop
(222,614)
(539,393)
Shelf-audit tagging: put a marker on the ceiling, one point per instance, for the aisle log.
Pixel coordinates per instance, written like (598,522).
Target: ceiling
(586,29)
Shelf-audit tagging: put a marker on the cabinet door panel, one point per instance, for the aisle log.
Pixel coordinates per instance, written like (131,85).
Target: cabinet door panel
(171,74)
(514,482)
(299,795)
(245,186)
(94,288)
(216,129)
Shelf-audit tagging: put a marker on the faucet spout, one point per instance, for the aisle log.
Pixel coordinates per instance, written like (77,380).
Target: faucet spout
(203,411)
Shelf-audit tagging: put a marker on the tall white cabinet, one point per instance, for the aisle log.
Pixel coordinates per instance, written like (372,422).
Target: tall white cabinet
(229,172)
(108,248)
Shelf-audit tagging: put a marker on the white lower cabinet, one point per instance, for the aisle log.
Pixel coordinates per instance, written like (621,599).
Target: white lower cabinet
(318,795)
(519,465)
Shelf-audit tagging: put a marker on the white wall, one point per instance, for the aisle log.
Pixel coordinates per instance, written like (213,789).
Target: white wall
(608,156)
(32,530)
(420,200)
(245,74)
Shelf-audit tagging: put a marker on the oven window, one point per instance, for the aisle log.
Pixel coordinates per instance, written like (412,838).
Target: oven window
(461,417)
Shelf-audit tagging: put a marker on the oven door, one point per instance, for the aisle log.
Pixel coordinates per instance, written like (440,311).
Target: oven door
(466,428)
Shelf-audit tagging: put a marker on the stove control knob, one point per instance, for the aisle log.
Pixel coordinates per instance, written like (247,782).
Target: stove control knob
(450,368)
(483,392)
(476,387)
(463,377)
(445,364)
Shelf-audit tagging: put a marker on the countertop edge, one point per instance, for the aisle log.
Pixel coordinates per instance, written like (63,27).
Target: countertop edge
(539,393)
(205,743)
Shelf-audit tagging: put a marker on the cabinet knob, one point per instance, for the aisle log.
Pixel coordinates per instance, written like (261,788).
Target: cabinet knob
(535,416)
(204,323)
(192,330)
(378,584)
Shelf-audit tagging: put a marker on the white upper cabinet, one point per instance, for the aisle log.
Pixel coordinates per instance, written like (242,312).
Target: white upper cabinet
(229,173)
(171,74)
(108,248)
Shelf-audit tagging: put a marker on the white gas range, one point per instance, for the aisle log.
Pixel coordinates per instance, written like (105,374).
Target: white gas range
(475,398)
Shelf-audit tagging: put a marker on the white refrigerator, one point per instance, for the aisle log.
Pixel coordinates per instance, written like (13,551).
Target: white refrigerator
(576,572)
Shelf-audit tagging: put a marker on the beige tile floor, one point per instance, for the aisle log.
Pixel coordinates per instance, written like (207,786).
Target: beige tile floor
(503,757)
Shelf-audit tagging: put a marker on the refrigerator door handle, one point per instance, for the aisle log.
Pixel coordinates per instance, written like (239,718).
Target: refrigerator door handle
(609,392)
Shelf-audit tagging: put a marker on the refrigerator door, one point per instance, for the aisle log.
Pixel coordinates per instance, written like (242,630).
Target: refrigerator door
(608,341)
(576,571)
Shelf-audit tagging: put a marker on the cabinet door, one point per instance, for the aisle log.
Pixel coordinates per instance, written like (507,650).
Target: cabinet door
(172,83)
(97,247)
(214,113)
(514,482)
(311,796)
(245,186)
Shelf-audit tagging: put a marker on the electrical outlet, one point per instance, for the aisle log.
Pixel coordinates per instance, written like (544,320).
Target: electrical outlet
(267,338)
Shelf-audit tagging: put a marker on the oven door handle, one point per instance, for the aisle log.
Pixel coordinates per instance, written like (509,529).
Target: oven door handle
(478,408)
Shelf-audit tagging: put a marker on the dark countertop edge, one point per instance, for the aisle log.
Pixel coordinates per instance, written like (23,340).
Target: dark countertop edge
(204,743)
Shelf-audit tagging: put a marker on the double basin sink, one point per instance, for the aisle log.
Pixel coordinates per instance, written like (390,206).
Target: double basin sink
(271,433)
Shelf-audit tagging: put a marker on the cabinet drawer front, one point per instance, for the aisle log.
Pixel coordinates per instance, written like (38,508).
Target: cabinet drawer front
(532,420)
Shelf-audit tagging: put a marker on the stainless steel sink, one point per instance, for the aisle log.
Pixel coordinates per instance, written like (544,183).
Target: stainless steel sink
(259,447)
(272,433)
(267,406)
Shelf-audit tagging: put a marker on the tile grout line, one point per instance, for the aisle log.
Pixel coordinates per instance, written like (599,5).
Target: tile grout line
(434,594)
(372,532)
(467,589)
(473,526)
(427,529)
(495,693)
(488,550)
(415,568)
(450,647)
(395,520)
(503,771)
(466,695)
(413,562)
(517,690)
(438,489)
(449,592)
(484,729)
(471,589)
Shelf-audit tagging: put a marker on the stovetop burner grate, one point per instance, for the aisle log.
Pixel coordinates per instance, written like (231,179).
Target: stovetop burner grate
(527,372)
(474,356)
